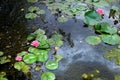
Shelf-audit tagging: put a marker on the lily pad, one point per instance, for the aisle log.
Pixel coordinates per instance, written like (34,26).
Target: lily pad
(51,65)
(30,58)
(41,37)
(92,17)
(62,19)
(58,57)
(105,27)
(31,36)
(2,78)
(113,55)
(19,65)
(37,51)
(93,40)
(32,1)
(39,32)
(111,39)
(1,53)
(22,53)
(42,57)
(48,76)
(30,15)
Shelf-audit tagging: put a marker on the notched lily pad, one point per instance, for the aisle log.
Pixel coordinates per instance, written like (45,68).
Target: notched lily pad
(111,39)
(30,15)
(48,76)
(92,17)
(52,65)
(93,40)
(29,58)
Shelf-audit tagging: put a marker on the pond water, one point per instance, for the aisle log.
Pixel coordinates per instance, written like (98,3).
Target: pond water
(79,57)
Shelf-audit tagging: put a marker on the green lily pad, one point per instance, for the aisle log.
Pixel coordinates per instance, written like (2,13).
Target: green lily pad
(30,58)
(19,65)
(41,37)
(32,1)
(44,44)
(48,76)
(92,17)
(30,15)
(117,77)
(1,53)
(111,39)
(51,65)
(113,55)
(37,51)
(22,53)
(62,19)
(33,8)
(42,57)
(39,32)
(1,78)
(31,36)
(2,74)
(93,40)
(58,57)
(105,27)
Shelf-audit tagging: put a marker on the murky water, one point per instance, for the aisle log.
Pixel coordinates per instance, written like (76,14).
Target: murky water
(79,57)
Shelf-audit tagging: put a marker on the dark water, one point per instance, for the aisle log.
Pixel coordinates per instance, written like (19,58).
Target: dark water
(79,57)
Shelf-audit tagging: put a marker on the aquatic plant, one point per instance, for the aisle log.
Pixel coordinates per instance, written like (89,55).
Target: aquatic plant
(2,76)
(38,52)
(113,55)
(4,59)
(91,75)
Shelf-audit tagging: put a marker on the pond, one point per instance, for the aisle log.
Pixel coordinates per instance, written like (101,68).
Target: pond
(79,57)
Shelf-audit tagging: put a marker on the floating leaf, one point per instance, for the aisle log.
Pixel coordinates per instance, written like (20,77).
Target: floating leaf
(62,19)
(22,53)
(51,65)
(30,15)
(29,58)
(101,4)
(113,54)
(2,74)
(1,78)
(48,76)
(44,44)
(93,40)
(111,39)
(25,69)
(33,9)
(105,27)
(42,57)
(117,77)
(1,53)
(32,1)
(37,51)
(39,32)
(41,37)
(40,12)
(19,65)
(58,57)
(92,17)
(31,36)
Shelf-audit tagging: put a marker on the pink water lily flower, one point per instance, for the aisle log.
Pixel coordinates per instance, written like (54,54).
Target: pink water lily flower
(35,43)
(18,58)
(100,11)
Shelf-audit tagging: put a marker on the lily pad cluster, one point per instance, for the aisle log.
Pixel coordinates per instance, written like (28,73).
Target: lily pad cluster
(34,12)
(107,34)
(40,53)
(91,75)
(113,55)
(4,59)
